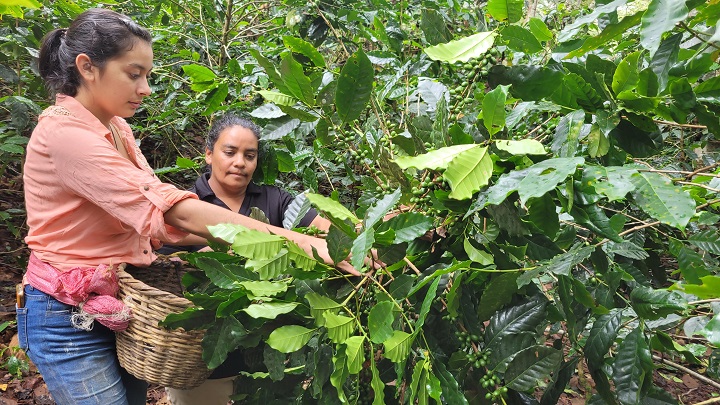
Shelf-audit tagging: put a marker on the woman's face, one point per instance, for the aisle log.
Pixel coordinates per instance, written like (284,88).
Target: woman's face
(233,159)
(118,88)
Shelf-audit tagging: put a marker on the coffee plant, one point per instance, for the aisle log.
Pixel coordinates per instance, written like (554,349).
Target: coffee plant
(540,181)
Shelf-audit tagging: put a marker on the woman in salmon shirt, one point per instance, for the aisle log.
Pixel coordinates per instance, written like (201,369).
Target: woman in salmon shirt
(92,203)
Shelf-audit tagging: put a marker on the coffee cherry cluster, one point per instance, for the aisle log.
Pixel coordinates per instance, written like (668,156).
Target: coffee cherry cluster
(478,359)
(357,158)
(546,129)
(354,154)
(365,302)
(360,392)
(312,230)
(467,340)
(474,72)
(422,191)
(449,318)
(491,381)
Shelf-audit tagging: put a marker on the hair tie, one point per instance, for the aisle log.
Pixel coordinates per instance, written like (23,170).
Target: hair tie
(62,33)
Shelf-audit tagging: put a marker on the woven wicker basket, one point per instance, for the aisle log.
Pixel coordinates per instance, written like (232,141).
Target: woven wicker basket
(168,357)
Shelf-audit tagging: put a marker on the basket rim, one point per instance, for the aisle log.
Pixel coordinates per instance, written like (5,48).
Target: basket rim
(126,280)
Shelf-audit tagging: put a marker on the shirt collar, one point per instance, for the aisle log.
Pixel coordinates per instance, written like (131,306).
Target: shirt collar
(83,114)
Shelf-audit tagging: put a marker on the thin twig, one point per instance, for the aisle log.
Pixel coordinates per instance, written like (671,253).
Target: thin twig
(706,168)
(707,204)
(697,35)
(412,266)
(675,124)
(688,175)
(709,401)
(335,33)
(637,228)
(540,126)
(687,183)
(686,370)
(704,301)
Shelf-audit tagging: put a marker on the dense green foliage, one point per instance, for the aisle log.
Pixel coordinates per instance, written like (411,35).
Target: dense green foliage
(564,156)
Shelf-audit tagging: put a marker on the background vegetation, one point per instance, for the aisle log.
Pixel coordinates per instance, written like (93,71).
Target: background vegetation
(565,154)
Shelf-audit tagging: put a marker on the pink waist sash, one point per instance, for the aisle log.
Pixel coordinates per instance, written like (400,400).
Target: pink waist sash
(93,290)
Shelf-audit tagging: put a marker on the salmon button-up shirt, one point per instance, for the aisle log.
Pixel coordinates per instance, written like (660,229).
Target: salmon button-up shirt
(86,204)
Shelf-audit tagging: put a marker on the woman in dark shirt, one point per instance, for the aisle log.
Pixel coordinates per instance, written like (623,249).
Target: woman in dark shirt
(231,151)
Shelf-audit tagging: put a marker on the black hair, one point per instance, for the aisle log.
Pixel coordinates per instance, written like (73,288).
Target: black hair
(101,34)
(229,120)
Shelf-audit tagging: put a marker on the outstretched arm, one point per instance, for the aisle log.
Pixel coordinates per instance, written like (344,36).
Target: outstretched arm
(194,216)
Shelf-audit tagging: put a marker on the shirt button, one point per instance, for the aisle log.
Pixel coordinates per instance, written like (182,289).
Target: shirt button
(146,188)
(145,251)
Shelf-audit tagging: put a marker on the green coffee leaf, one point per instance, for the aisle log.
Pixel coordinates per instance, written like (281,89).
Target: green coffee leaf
(707,240)
(521,147)
(355,354)
(380,321)
(332,207)
(295,80)
(319,304)
(660,17)
(632,366)
(506,10)
(468,172)
(222,338)
(289,338)
(531,366)
(626,75)
(662,200)
(521,39)
(654,304)
(270,310)
(303,47)
(463,49)
(397,347)
(339,327)
(354,86)
(494,109)
(436,159)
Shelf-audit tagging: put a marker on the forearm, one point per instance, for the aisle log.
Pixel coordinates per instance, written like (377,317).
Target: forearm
(190,240)
(194,216)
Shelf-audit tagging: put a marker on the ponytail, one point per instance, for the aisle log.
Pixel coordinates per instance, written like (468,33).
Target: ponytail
(56,65)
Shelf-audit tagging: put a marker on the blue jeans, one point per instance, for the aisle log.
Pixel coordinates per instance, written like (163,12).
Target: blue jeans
(79,367)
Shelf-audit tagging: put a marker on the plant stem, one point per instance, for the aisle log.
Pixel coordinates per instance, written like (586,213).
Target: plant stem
(326,173)
(707,204)
(688,175)
(637,228)
(335,33)
(675,124)
(687,183)
(704,301)
(412,266)
(703,169)
(686,370)
(225,32)
(697,35)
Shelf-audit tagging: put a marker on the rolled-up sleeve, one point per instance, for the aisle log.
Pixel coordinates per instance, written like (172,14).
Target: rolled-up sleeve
(88,166)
